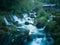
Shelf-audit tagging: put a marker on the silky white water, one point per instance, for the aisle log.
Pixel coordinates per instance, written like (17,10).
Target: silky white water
(33,30)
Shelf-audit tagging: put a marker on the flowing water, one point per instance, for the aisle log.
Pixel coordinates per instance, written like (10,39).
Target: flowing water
(39,35)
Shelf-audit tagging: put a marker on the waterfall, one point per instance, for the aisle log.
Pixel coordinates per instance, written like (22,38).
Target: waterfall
(7,23)
(40,38)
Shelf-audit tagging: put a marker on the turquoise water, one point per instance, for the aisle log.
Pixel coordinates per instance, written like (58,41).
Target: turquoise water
(39,35)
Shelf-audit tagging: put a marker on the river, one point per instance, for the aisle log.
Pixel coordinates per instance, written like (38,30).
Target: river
(39,35)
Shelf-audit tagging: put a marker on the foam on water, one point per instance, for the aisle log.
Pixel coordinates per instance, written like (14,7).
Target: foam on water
(33,30)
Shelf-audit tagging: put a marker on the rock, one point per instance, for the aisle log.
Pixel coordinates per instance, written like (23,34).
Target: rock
(39,24)
(26,23)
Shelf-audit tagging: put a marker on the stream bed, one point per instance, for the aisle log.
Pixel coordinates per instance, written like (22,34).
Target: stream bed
(39,35)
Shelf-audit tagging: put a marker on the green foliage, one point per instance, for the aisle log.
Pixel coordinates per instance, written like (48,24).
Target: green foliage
(54,28)
(17,6)
(51,26)
(6,6)
(11,6)
(1,20)
(57,41)
(42,16)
